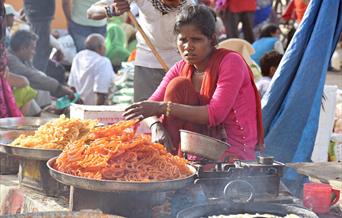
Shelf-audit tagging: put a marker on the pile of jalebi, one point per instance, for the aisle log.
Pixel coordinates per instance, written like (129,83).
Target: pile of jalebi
(56,134)
(116,153)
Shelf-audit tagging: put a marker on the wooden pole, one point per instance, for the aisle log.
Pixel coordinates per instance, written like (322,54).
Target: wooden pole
(148,41)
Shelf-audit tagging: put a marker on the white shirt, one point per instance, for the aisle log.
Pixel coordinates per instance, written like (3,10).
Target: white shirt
(159,29)
(262,85)
(91,73)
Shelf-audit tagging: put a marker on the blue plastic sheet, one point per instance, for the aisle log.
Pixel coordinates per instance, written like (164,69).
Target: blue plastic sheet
(291,106)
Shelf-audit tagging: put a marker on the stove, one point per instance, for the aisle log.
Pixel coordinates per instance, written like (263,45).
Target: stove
(262,177)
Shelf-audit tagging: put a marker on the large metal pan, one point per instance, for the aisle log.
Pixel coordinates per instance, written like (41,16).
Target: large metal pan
(118,186)
(202,145)
(22,123)
(225,208)
(6,137)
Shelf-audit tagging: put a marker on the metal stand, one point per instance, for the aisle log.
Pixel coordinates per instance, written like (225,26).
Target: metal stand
(34,174)
(127,204)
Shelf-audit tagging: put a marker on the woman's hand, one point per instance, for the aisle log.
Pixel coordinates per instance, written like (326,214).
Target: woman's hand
(160,135)
(144,109)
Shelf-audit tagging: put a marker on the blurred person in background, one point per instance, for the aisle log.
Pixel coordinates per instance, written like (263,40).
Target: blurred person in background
(91,72)
(79,26)
(234,12)
(10,15)
(157,18)
(116,43)
(20,55)
(268,41)
(8,107)
(268,63)
(39,14)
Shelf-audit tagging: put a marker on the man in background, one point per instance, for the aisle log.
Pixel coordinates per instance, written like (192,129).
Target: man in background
(91,72)
(22,50)
(39,14)
(79,26)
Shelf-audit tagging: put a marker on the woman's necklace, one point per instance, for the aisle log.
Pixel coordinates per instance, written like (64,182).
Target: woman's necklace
(197,72)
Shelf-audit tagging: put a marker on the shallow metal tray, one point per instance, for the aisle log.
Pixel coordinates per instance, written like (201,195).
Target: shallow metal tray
(6,137)
(119,186)
(22,123)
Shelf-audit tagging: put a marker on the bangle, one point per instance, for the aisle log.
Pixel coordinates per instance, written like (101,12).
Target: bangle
(168,108)
(109,11)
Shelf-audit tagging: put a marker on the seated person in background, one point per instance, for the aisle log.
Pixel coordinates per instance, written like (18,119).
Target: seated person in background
(211,91)
(22,50)
(24,94)
(268,41)
(91,72)
(268,64)
(116,43)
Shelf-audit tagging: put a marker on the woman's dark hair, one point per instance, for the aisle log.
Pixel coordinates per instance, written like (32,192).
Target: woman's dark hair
(267,30)
(268,60)
(197,15)
(22,39)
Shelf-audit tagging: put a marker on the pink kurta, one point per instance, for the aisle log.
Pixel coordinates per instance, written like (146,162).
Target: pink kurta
(233,104)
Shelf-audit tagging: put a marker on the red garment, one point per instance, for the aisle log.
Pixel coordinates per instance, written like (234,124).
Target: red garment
(300,8)
(295,10)
(182,91)
(237,6)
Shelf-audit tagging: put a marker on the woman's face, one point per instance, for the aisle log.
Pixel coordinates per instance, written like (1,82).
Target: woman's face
(194,46)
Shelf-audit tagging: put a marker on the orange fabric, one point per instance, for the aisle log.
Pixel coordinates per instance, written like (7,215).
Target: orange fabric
(180,90)
(300,8)
(132,56)
(210,75)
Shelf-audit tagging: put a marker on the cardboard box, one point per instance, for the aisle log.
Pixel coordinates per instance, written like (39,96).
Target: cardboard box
(106,114)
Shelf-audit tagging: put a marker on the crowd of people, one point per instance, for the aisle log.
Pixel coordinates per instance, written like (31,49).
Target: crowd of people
(221,57)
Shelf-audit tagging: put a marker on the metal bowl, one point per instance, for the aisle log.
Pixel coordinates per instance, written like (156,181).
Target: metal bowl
(6,137)
(202,145)
(22,123)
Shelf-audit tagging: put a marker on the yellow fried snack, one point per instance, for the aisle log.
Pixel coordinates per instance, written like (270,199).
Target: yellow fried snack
(56,134)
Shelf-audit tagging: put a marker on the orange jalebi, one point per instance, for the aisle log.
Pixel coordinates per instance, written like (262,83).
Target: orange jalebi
(115,152)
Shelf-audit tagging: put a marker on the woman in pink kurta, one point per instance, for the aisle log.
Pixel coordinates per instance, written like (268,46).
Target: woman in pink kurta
(209,90)
(8,107)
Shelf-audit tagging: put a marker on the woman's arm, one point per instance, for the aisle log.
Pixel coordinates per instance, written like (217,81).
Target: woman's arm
(98,11)
(233,70)
(159,93)
(17,80)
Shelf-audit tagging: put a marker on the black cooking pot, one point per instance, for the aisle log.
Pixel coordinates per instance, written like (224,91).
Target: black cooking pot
(226,208)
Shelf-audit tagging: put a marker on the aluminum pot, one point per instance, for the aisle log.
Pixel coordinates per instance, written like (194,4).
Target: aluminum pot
(202,145)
